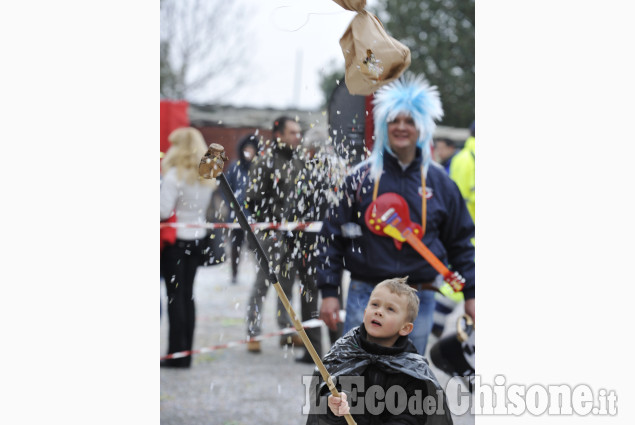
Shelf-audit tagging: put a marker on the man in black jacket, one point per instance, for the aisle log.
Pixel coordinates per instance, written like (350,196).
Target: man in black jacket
(279,192)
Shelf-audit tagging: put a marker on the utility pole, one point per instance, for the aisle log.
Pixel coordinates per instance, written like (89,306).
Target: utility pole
(297,86)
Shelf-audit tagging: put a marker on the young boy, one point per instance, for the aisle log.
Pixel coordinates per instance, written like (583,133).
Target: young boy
(376,363)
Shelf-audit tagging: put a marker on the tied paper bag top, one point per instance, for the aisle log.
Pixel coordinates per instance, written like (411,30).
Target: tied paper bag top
(356,5)
(372,58)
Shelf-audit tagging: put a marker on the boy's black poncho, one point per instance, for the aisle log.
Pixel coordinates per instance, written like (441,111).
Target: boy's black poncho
(353,355)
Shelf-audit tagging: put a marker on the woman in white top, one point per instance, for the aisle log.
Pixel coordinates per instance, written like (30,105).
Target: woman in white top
(187,195)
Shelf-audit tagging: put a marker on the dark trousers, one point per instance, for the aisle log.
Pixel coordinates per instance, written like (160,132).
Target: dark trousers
(293,263)
(309,302)
(179,263)
(237,238)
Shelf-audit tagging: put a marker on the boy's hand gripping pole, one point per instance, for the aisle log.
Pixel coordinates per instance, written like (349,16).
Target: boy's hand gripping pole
(211,166)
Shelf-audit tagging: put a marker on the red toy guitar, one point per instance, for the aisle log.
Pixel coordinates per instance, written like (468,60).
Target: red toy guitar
(388,215)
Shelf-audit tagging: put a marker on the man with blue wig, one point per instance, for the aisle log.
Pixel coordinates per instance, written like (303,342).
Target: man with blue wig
(404,113)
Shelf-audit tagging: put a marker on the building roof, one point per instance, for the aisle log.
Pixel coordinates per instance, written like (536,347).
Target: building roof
(239,117)
(235,116)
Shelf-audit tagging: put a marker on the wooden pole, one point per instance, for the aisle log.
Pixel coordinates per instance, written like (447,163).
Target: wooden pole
(211,166)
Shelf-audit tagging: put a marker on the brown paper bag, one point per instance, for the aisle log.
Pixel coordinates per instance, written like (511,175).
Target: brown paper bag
(372,58)
(356,5)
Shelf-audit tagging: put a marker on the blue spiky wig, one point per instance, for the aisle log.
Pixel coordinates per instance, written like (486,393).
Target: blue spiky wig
(412,95)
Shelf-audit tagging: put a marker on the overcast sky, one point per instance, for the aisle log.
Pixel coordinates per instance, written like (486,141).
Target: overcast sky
(289,77)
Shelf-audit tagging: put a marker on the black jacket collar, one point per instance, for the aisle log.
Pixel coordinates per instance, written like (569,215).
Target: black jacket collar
(401,345)
(392,161)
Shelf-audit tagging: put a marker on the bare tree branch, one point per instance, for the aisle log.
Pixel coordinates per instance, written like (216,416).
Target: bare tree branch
(204,48)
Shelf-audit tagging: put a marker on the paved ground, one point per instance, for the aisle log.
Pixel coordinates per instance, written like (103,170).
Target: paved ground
(231,386)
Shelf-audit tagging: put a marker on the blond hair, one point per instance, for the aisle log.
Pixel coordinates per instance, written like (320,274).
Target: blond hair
(398,285)
(187,148)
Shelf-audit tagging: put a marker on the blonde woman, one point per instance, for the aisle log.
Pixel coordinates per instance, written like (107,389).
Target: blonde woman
(186,195)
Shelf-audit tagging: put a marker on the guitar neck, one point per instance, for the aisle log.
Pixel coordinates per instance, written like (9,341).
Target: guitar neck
(452,278)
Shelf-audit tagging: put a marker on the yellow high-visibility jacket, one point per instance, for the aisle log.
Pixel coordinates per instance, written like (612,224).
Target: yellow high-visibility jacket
(462,172)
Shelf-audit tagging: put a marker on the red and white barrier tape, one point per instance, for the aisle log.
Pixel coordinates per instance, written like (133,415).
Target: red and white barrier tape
(313,323)
(309,226)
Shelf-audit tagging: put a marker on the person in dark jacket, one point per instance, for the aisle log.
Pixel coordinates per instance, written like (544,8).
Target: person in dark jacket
(404,115)
(323,173)
(280,191)
(238,179)
(379,361)
(444,151)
